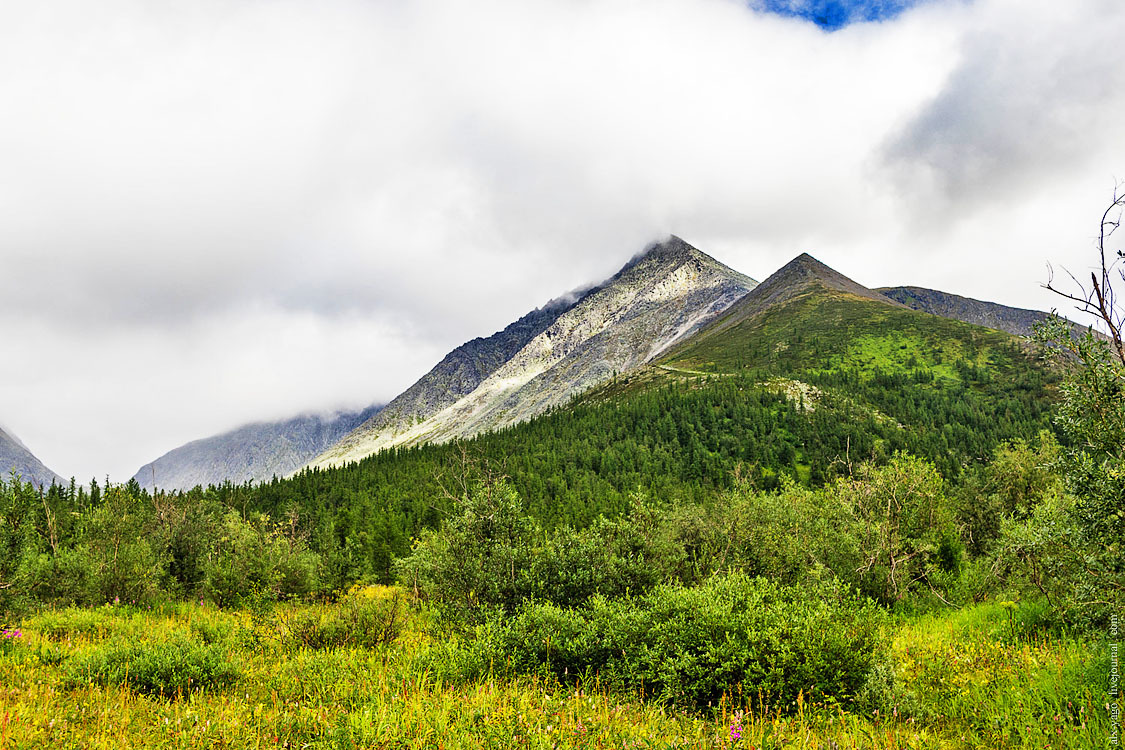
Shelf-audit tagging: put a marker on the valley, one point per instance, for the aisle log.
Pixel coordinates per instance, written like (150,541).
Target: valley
(676,509)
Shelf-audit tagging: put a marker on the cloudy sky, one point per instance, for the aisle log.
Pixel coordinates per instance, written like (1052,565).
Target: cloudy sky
(227,210)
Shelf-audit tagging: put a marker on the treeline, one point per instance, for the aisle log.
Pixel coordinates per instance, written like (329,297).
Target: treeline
(683,442)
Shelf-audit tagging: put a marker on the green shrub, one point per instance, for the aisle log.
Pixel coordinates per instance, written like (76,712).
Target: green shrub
(482,556)
(690,646)
(259,557)
(171,669)
(613,557)
(50,654)
(65,623)
(360,619)
(122,564)
(212,632)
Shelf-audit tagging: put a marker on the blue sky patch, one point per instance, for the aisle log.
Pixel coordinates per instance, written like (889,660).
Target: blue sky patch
(835,14)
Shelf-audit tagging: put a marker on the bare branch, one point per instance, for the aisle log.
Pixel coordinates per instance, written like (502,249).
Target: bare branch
(1101,299)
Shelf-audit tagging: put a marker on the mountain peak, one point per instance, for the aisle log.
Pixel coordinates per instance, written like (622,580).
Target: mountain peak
(805,265)
(662,295)
(804,270)
(794,279)
(672,249)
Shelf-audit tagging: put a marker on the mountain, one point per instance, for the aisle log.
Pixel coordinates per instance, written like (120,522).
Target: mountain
(660,297)
(802,379)
(809,316)
(14,456)
(795,278)
(1014,320)
(252,453)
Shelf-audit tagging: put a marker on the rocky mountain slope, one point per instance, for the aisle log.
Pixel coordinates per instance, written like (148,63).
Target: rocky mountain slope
(658,298)
(15,456)
(253,453)
(1014,320)
(465,368)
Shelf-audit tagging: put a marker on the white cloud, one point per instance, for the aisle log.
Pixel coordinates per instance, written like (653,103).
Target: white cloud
(220,211)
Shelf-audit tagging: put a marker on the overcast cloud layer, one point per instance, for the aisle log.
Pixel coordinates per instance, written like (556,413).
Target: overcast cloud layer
(221,211)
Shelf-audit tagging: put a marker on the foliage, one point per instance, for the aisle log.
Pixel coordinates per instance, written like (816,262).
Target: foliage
(259,557)
(1020,476)
(690,646)
(889,532)
(905,526)
(1069,548)
(481,557)
(172,669)
(1014,689)
(364,618)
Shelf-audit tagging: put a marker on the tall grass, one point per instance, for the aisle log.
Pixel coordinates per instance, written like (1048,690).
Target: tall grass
(954,681)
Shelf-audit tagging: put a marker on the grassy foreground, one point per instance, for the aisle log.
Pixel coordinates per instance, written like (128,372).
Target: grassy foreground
(188,675)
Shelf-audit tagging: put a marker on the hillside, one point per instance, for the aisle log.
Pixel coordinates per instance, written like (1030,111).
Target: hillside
(15,456)
(808,318)
(806,376)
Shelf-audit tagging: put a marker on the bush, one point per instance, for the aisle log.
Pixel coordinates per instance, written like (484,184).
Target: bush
(170,669)
(259,558)
(214,632)
(614,557)
(122,564)
(483,555)
(361,619)
(65,623)
(63,578)
(690,646)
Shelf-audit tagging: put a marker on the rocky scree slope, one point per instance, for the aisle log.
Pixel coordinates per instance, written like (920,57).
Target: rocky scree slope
(461,371)
(660,297)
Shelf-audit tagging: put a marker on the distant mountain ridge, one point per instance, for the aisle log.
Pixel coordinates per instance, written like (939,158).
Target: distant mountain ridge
(1014,320)
(14,455)
(251,453)
(658,298)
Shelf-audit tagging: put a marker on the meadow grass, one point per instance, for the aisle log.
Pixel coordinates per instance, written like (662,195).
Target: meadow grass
(964,679)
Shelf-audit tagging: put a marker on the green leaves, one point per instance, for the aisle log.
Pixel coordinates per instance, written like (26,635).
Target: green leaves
(171,669)
(691,645)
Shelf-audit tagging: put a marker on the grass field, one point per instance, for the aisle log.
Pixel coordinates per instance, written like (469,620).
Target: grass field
(191,675)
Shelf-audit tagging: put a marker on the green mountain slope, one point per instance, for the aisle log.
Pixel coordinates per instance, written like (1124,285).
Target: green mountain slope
(804,378)
(809,318)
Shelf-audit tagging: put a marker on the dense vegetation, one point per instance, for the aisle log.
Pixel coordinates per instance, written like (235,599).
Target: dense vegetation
(959,680)
(873,535)
(793,404)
